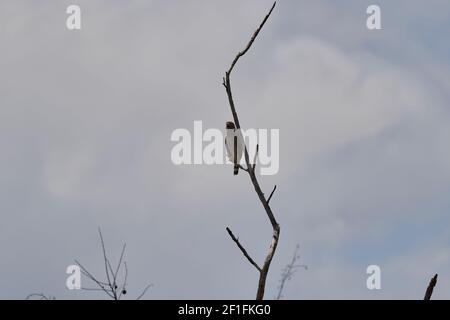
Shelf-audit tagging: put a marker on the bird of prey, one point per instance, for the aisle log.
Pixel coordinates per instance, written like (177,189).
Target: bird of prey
(234,145)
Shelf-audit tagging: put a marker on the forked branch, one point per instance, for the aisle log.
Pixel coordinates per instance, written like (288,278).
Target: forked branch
(251,171)
(289,271)
(112,287)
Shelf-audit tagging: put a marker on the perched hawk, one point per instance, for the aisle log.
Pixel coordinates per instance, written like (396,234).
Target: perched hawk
(234,145)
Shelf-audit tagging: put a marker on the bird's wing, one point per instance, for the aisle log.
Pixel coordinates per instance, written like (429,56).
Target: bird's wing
(229,153)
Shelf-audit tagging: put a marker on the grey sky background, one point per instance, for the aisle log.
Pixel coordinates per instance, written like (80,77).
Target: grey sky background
(85,124)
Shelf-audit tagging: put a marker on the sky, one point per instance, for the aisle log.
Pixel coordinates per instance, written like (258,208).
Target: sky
(86,118)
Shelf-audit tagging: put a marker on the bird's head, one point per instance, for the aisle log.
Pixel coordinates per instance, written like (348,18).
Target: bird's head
(230,125)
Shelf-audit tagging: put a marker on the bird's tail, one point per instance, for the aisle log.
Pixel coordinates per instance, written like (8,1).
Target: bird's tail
(236,169)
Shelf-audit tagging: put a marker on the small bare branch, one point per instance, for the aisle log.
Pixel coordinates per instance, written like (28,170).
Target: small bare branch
(124,284)
(143,292)
(93,289)
(110,286)
(119,264)
(236,240)
(241,167)
(101,285)
(108,267)
(252,39)
(430,287)
(39,296)
(289,271)
(271,194)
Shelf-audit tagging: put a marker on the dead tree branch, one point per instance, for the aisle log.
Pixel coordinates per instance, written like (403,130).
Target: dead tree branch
(271,194)
(289,271)
(241,167)
(250,169)
(243,250)
(39,296)
(112,287)
(430,287)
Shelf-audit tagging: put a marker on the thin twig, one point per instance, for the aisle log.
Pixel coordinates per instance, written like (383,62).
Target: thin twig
(90,276)
(241,167)
(143,292)
(92,289)
(252,39)
(41,296)
(271,194)
(110,286)
(107,264)
(124,284)
(120,260)
(289,272)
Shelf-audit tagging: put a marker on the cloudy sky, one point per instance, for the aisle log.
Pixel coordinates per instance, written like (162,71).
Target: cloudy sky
(86,118)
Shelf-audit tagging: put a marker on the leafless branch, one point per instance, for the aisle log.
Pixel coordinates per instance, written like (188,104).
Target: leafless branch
(271,194)
(120,260)
(110,286)
(243,250)
(102,285)
(275,226)
(93,289)
(124,284)
(241,167)
(143,292)
(289,271)
(108,267)
(252,39)
(430,287)
(39,296)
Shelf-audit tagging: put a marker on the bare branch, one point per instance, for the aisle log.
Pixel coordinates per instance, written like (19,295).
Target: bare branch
(93,289)
(243,250)
(276,228)
(39,296)
(120,260)
(252,39)
(430,287)
(99,283)
(143,292)
(124,284)
(107,264)
(241,167)
(289,272)
(271,194)
(119,264)
(110,286)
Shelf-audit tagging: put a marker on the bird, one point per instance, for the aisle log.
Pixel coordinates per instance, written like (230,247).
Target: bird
(234,145)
